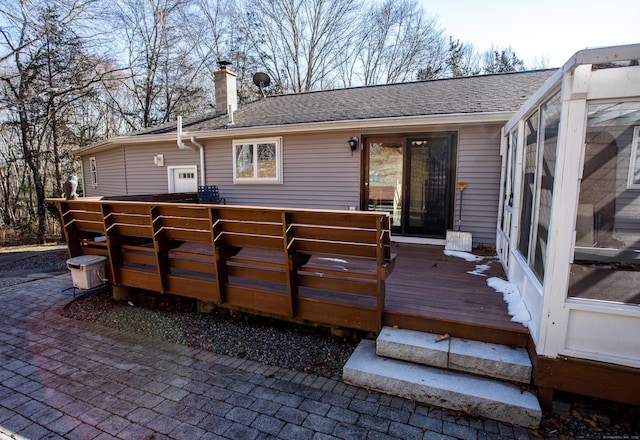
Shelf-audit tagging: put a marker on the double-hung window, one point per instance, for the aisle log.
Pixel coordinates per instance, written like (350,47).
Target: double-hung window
(93,171)
(257,161)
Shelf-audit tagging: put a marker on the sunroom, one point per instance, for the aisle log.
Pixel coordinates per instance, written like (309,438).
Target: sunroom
(568,231)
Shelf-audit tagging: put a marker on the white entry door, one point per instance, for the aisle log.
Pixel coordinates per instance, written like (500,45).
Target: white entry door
(183,179)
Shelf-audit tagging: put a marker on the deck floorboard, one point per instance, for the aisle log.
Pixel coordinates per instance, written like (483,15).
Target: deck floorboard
(428,287)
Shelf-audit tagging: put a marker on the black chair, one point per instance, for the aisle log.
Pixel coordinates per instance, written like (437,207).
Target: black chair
(210,194)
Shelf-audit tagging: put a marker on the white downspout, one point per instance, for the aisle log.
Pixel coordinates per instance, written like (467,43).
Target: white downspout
(184,146)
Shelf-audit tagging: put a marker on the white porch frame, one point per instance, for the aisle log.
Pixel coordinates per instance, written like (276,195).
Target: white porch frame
(560,326)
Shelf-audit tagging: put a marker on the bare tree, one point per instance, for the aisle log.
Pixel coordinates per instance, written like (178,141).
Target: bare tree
(39,81)
(298,42)
(163,76)
(398,40)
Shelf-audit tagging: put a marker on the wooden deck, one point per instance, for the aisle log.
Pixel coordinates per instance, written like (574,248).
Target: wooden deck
(430,291)
(335,268)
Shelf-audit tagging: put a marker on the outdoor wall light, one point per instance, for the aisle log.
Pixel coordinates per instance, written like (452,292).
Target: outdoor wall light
(353,144)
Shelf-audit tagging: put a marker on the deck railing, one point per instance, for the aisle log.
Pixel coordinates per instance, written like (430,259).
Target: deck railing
(326,267)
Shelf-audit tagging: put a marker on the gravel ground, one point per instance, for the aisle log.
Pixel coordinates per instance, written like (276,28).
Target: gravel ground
(175,319)
(274,342)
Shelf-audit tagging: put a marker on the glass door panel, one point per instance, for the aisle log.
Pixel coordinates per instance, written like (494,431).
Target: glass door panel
(428,196)
(383,188)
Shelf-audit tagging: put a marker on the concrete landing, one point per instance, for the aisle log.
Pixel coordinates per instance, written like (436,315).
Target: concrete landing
(449,389)
(475,357)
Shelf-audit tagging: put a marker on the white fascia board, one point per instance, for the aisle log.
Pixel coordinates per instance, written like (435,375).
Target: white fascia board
(399,123)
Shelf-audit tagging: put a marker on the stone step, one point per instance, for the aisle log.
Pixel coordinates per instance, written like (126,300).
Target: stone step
(448,389)
(481,358)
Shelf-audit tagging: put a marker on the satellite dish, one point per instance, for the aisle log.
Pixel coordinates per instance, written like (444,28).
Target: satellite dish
(261,80)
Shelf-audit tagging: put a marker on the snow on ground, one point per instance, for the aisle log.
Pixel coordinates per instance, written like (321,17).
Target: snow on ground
(511,295)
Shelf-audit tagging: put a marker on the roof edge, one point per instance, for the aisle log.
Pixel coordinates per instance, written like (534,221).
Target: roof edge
(357,124)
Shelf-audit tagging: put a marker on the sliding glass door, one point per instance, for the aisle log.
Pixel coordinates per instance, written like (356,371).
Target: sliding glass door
(411,178)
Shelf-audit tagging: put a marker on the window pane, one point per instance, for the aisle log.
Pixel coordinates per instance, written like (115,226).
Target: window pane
(267,165)
(550,115)
(608,222)
(244,161)
(634,166)
(528,182)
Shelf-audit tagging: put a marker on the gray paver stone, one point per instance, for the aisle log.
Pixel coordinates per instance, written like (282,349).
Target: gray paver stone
(240,432)
(349,432)
(404,431)
(425,422)
(288,399)
(342,415)
(373,423)
(394,414)
(336,400)
(320,424)
(295,432)
(291,415)
(459,431)
(315,407)
(268,425)
(363,407)
(265,407)
(113,424)
(242,415)
(187,431)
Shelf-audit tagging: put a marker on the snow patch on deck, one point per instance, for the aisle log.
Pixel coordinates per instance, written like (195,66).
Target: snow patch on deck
(511,295)
(464,255)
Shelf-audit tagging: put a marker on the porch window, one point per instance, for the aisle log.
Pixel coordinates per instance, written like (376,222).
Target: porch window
(607,245)
(633,181)
(541,137)
(257,161)
(93,171)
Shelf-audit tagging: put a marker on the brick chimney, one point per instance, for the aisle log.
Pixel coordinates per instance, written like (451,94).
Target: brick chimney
(226,91)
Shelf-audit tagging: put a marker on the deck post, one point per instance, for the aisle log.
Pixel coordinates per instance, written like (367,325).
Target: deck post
(219,255)
(120,293)
(291,262)
(113,244)
(381,261)
(161,246)
(71,235)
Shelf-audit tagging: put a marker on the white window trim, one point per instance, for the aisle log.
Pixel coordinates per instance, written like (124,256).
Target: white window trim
(256,180)
(93,171)
(634,158)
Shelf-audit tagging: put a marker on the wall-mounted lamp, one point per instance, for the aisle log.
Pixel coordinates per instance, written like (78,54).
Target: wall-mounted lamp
(158,159)
(353,144)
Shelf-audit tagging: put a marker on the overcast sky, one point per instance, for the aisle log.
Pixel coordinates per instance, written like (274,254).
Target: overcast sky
(535,28)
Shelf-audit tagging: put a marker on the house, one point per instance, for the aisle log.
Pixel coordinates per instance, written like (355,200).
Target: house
(550,159)
(399,148)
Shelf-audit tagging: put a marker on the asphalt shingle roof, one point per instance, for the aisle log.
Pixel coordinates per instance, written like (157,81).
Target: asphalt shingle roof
(467,95)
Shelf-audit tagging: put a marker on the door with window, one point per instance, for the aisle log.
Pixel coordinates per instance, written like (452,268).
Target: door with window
(183,179)
(411,178)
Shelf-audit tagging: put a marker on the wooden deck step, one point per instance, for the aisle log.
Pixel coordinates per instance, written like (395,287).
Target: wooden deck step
(475,357)
(481,396)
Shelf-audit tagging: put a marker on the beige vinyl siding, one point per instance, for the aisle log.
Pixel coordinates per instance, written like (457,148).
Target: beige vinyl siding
(318,172)
(110,172)
(145,177)
(479,165)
